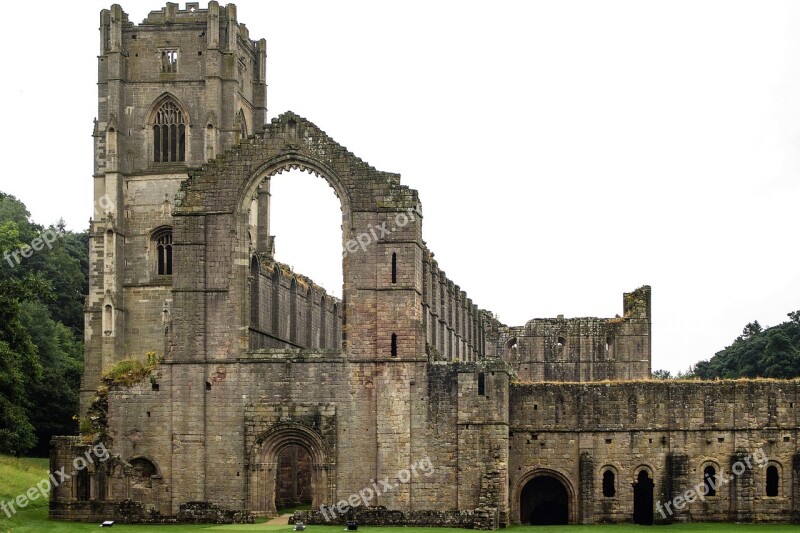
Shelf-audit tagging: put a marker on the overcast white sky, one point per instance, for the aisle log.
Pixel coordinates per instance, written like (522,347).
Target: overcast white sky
(564,152)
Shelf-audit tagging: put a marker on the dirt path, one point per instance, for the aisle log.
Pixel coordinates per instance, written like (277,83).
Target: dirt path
(281,520)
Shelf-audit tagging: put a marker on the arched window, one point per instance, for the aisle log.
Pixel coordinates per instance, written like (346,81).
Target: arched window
(293,311)
(709,479)
(169,134)
(323,333)
(242,124)
(773,479)
(609,484)
(255,293)
(162,241)
(141,471)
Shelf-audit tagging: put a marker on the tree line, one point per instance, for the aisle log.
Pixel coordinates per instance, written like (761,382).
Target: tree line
(757,353)
(43,280)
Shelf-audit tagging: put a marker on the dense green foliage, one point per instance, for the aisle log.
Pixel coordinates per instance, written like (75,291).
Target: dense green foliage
(769,353)
(41,329)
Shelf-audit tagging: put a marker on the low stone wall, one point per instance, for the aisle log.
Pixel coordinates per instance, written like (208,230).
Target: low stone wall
(380,516)
(131,512)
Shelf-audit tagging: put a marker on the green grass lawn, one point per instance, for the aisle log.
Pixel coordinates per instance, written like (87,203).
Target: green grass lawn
(17,475)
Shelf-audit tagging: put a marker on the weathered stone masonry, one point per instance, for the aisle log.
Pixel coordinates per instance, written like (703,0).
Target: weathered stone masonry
(262,375)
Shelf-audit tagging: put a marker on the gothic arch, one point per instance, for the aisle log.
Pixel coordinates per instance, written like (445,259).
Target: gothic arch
(220,194)
(182,146)
(263,461)
(554,473)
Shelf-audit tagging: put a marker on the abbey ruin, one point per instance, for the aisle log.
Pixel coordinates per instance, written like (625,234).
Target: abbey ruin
(403,402)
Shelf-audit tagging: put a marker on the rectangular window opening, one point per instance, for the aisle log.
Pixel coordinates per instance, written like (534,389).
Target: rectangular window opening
(169,61)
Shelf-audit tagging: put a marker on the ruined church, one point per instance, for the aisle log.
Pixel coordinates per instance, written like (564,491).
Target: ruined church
(401,403)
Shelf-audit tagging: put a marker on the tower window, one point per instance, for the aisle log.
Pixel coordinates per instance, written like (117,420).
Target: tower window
(481,384)
(394,267)
(394,345)
(169,61)
(169,134)
(163,249)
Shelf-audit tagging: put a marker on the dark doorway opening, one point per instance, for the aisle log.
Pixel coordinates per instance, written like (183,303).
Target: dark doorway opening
(643,499)
(294,478)
(544,501)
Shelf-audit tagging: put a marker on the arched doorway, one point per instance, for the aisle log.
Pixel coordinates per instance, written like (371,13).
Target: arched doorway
(293,478)
(544,501)
(288,466)
(643,499)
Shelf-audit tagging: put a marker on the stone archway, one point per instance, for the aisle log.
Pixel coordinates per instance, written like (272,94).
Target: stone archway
(544,501)
(267,461)
(212,221)
(544,497)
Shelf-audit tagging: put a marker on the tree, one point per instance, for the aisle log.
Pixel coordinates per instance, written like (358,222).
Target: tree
(19,363)
(774,352)
(41,330)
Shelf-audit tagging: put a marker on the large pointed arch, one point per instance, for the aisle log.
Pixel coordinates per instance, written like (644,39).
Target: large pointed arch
(220,196)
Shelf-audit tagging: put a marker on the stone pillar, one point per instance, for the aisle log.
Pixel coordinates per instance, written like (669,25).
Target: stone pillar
(586,494)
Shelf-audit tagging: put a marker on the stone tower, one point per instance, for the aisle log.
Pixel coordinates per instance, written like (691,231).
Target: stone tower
(173,92)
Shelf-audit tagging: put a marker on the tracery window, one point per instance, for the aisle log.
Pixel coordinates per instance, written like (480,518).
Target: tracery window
(169,134)
(163,249)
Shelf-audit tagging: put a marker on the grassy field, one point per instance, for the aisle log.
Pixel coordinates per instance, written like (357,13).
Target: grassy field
(17,475)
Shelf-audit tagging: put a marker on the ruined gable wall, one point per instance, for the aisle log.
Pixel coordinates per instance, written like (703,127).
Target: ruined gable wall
(580,349)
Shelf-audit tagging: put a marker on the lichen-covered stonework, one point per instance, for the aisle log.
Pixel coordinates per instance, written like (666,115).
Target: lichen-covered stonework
(403,402)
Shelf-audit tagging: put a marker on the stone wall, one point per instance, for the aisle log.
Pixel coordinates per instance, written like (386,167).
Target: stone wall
(673,430)
(288,310)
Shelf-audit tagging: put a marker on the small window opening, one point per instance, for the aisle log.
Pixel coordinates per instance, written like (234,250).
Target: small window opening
(609,484)
(720,439)
(169,61)
(608,441)
(208,385)
(164,253)
(561,341)
(772,481)
(481,384)
(535,407)
(786,439)
(394,345)
(709,478)
(394,267)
